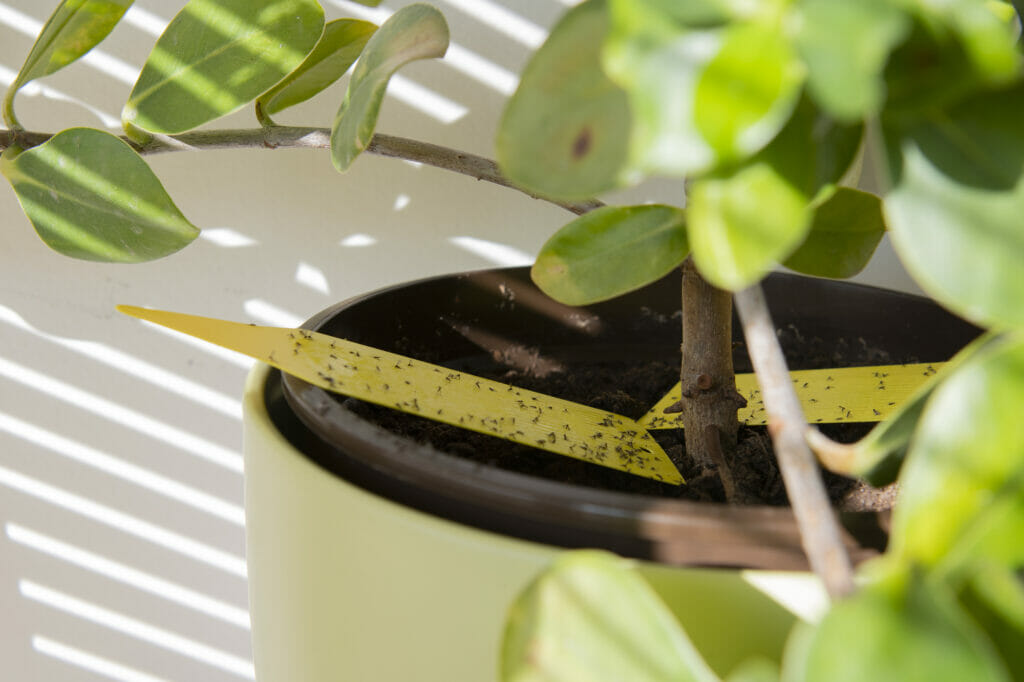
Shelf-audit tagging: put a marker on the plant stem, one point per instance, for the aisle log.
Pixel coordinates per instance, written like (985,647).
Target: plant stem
(291,137)
(10,120)
(819,529)
(710,400)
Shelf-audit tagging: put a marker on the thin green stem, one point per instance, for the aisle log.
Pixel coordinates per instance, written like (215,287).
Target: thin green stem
(262,116)
(10,119)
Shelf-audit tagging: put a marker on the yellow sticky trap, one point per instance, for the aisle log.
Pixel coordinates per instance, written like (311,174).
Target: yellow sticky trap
(438,393)
(851,394)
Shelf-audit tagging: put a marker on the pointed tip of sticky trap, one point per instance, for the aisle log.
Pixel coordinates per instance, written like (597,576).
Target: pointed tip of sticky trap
(437,393)
(665,471)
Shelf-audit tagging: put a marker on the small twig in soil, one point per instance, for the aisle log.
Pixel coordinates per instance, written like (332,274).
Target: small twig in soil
(819,529)
(713,446)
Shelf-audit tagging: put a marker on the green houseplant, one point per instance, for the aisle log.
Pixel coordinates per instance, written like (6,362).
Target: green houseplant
(916,75)
(626,89)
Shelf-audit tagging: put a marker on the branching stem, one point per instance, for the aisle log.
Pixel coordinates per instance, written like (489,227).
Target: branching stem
(292,137)
(819,529)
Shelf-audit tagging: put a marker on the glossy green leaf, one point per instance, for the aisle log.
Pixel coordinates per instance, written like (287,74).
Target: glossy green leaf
(845,46)
(739,109)
(962,486)
(743,224)
(911,632)
(91,196)
(414,32)
(339,47)
(610,251)
(565,131)
(955,208)
(592,617)
(844,233)
(217,55)
(744,220)
(74,28)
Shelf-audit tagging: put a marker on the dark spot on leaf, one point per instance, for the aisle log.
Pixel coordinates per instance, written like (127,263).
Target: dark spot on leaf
(581,145)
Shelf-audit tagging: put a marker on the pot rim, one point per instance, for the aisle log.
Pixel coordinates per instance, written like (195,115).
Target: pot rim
(670,531)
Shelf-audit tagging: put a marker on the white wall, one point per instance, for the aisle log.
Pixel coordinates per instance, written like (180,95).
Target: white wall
(95,553)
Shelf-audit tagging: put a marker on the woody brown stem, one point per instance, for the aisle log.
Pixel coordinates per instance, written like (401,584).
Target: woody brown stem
(710,399)
(290,137)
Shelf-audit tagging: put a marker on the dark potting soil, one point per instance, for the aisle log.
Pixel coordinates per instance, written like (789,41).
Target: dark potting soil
(629,388)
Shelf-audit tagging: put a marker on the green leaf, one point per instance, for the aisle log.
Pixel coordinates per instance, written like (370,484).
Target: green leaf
(744,220)
(911,632)
(845,46)
(844,233)
(339,47)
(564,132)
(217,55)
(414,32)
(74,28)
(591,617)
(957,199)
(610,251)
(740,109)
(957,48)
(743,224)
(962,486)
(994,598)
(755,670)
(658,64)
(90,196)
(839,152)
(693,13)
(988,39)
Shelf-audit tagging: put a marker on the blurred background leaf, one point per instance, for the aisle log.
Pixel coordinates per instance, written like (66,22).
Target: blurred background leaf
(845,231)
(591,617)
(909,630)
(845,46)
(954,211)
(962,487)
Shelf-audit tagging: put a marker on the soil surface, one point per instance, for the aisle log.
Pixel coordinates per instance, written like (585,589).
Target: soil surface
(630,388)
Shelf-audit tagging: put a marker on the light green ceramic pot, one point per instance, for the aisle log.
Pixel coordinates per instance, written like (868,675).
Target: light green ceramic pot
(347,585)
(372,559)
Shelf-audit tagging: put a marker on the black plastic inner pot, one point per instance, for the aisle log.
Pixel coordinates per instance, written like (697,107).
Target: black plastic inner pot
(477,317)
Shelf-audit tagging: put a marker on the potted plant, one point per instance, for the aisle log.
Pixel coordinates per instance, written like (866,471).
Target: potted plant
(621,89)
